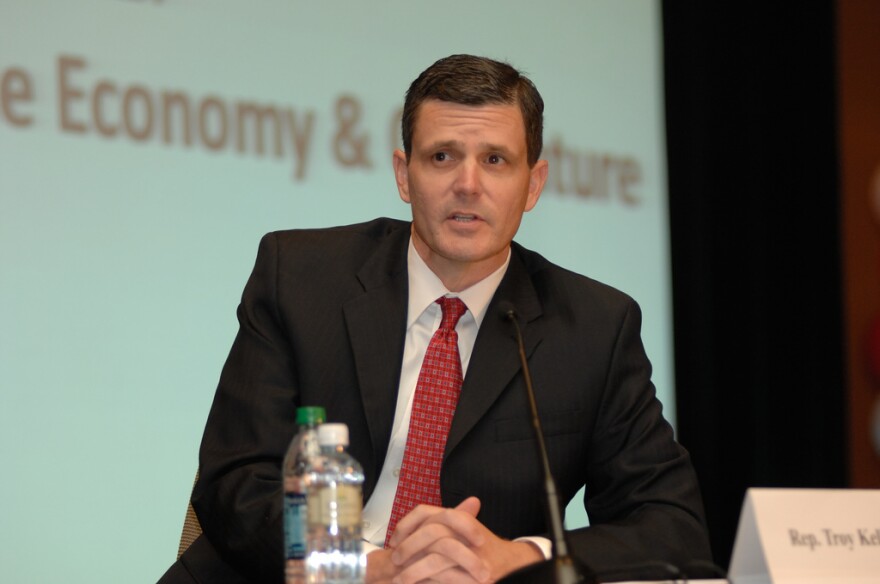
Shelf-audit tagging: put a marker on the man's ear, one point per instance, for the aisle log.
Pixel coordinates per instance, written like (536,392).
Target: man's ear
(401,174)
(537,178)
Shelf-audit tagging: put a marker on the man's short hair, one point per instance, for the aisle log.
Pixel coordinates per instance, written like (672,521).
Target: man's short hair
(470,80)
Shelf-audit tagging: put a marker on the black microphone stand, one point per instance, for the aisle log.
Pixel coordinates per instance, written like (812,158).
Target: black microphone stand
(561,568)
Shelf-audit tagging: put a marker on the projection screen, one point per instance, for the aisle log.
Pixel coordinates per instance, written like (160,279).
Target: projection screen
(145,146)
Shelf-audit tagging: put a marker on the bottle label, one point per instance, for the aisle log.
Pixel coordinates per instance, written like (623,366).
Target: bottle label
(295,526)
(340,506)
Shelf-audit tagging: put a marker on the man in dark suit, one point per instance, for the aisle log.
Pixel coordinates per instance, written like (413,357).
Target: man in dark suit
(334,317)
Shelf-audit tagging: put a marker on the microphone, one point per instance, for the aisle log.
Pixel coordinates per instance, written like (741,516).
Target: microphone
(562,568)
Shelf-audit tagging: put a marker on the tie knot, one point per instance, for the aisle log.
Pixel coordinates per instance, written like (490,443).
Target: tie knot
(452,309)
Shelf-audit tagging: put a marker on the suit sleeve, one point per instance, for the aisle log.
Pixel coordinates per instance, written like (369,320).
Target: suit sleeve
(238,495)
(642,495)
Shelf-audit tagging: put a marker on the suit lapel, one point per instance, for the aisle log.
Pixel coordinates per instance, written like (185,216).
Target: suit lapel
(495,359)
(376,322)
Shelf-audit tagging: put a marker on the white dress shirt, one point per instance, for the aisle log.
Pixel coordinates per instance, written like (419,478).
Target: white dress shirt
(422,321)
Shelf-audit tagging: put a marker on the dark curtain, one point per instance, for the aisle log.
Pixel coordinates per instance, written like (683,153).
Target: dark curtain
(753,190)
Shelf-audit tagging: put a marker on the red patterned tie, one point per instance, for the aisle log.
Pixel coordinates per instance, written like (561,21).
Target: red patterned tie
(433,407)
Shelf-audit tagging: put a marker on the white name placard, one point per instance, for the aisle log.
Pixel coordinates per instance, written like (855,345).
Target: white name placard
(808,536)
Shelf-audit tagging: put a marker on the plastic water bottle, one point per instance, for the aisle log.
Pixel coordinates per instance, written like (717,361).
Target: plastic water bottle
(335,500)
(297,464)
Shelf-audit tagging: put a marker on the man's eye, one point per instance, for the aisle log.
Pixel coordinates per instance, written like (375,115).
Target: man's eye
(494,159)
(440,156)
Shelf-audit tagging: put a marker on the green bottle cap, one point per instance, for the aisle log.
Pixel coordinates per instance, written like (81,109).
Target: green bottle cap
(309,415)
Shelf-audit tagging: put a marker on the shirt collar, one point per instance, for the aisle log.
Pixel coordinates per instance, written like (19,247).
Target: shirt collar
(425,287)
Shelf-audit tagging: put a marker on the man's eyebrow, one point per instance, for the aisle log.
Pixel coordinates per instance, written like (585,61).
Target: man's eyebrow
(497,148)
(442,144)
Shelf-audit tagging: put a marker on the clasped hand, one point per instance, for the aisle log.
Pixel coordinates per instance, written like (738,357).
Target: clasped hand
(435,544)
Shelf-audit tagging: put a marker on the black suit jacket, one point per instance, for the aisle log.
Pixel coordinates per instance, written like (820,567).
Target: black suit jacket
(322,322)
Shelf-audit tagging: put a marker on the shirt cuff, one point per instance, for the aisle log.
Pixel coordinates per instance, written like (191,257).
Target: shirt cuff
(369,547)
(541,542)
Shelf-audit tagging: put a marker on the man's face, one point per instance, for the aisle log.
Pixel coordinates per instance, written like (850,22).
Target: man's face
(469,182)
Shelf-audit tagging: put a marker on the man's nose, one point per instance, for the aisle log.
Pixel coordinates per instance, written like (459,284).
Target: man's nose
(467,180)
